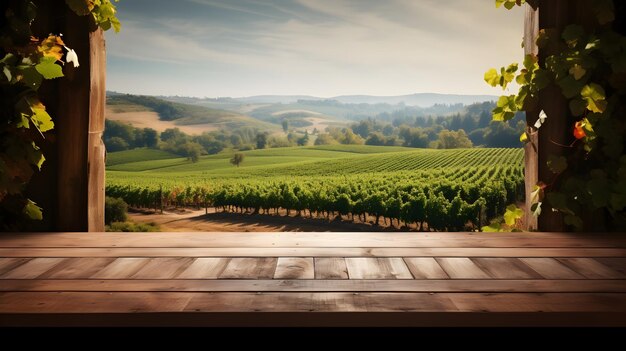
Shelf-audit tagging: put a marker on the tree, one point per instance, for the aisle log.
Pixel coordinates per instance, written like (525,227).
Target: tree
(304,140)
(116,144)
(375,138)
(173,134)
(285,125)
(325,139)
(237,159)
(193,151)
(150,137)
(261,140)
(453,140)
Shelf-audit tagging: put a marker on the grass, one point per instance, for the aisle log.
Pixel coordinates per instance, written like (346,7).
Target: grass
(312,161)
(137,155)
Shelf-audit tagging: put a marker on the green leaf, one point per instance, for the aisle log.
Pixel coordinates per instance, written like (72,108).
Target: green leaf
(30,77)
(505,108)
(570,87)
(577,107)
(24,121)
(595,97)
(577,71)
(536,209)
(512,214)
(574,221)
(492,228)
(572,34)
(557,164)
(42,120)
(32,211)
(492,78)
(599,191)
(49,69)
(524,137)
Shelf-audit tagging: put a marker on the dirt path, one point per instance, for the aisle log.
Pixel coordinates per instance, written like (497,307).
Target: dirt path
(198,221)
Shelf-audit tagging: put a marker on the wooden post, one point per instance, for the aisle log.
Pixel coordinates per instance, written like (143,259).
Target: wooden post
(71,186)
(531,150)
(96,149)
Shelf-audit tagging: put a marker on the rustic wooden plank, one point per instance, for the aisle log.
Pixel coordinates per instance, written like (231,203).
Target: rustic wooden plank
(7,264)
(133,302)
(77,268)
(377,268)
(425,268)
(550,268)
(266,240)
(294,268)
(163,268)
(330,268)
(531,148)
(461,268)
(506,268)
(95,146)
(312,252)
(539,302)
(121,268)
(205,268)
(309,285)
(101,302)
(618,264)
(249,268)
(591,268)
(32,269)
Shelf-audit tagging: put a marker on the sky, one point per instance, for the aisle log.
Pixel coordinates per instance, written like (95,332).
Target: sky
(324,48)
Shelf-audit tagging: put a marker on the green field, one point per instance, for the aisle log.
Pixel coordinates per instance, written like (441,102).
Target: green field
(438,189)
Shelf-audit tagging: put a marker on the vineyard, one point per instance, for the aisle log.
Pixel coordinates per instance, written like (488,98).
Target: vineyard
(442,190)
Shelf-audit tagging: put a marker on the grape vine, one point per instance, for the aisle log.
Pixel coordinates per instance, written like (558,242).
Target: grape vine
(26,62)
(590,70)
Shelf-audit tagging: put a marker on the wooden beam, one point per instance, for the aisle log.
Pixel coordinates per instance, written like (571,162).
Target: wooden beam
(531,149)
(96,148)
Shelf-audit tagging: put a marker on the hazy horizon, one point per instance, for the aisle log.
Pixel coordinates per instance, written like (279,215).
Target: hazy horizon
(321,48)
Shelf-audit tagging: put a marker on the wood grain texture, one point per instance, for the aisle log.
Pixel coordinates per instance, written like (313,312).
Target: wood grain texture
(249,268)
(461,268)
(506,268)
(163,268)
(425,268)
(550,268)
(377,268)
(32,269)
(591,268)
(205,268)
(121,268)
(77,268)
(294,268)
(307,285)
(330,268)
(7,264)
(318,240)
(243,251)
(95,146)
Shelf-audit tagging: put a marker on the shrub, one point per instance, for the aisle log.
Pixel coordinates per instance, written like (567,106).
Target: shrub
(115,210)
(132,227)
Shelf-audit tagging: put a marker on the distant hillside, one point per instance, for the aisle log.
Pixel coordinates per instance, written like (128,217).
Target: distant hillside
(421,100)
(160,114)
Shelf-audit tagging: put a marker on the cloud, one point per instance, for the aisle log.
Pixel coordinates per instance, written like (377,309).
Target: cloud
(328,47)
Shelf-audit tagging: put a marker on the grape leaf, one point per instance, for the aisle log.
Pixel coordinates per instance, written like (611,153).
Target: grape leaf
(512,214)
(492,78)
(32,211)
(49,69)
(557,164)
(577,71)
(595,97)
(41,119)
